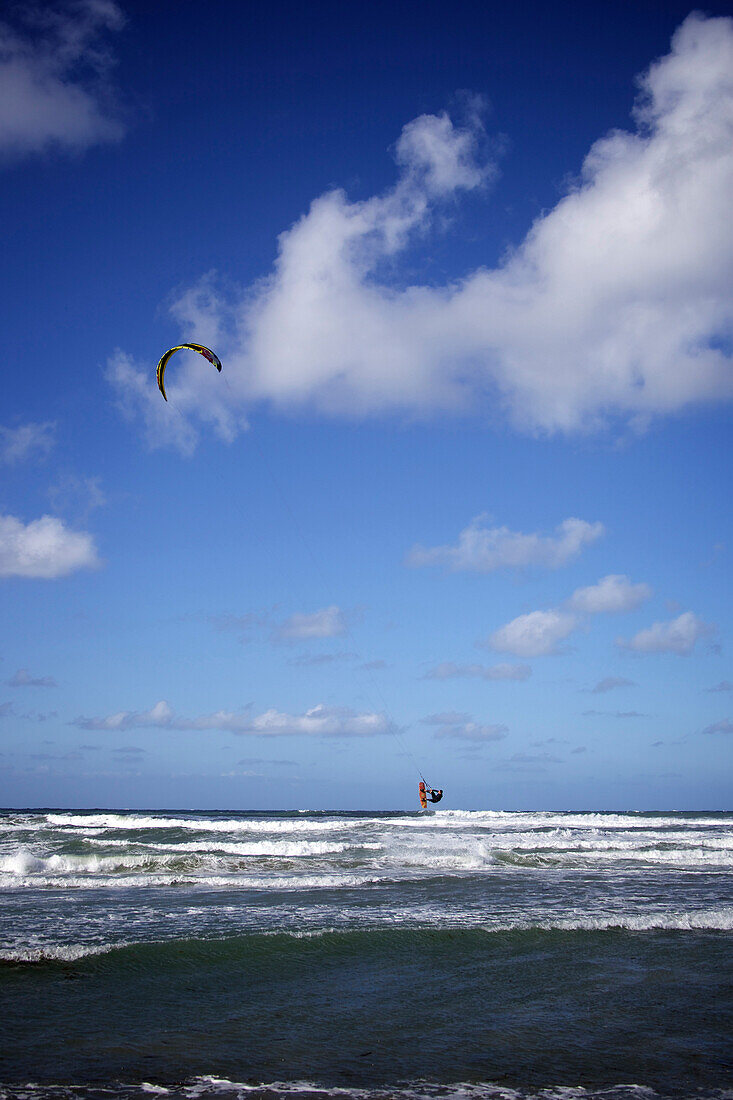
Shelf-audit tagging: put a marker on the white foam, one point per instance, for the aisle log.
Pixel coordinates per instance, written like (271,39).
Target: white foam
(420,1090)
(55,952)
(129,822)
(240,881)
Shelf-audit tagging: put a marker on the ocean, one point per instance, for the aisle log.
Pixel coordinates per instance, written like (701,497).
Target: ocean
(445,955)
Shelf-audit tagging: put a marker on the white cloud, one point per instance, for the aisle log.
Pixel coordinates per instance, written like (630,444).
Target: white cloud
(482,549)
(319,721)
(447,670)
(329,622)
(616,303)
(43,548)
(677,636)
(536,634)
(26,441)
(53,86)
(611,594)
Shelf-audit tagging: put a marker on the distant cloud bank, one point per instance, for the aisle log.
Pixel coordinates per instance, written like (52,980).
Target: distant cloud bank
(318,721)
(615,305)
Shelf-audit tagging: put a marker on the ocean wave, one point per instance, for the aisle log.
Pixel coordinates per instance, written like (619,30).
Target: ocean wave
(183,876)
(633,819)
(199,1088)
(62,952)
(712,920)
(132,822)
(273,848)
(309,821)
(391,856)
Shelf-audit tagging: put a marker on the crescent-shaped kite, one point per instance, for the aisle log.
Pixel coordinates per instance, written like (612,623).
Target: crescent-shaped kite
(206,352)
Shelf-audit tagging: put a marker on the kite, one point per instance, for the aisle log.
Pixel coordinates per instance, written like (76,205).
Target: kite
(206,352)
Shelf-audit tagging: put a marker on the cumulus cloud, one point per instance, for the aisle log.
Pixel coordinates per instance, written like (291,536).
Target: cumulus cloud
(329,622)
(613,593)
(43,548)
(319,721)
(27,441)
(536,634)
(724,726)
(447,670)
(482,549)
(610,683)
(460,727)
(54,89)
(615,304)
(22,678)
(677,636)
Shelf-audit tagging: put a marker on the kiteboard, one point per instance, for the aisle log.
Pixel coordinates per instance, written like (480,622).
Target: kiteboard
(423,796)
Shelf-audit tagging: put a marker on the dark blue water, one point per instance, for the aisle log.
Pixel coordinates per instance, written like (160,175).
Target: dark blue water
(453,955)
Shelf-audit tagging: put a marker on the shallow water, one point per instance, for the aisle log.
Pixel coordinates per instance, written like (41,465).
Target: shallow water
(453,953)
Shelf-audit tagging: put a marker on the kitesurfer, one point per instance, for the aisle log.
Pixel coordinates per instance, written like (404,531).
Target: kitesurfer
(433,795)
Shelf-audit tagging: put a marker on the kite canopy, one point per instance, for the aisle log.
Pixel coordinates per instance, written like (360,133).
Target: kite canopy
(206,352)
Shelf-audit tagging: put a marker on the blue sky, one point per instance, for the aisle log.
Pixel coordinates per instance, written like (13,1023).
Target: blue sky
(459,501)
